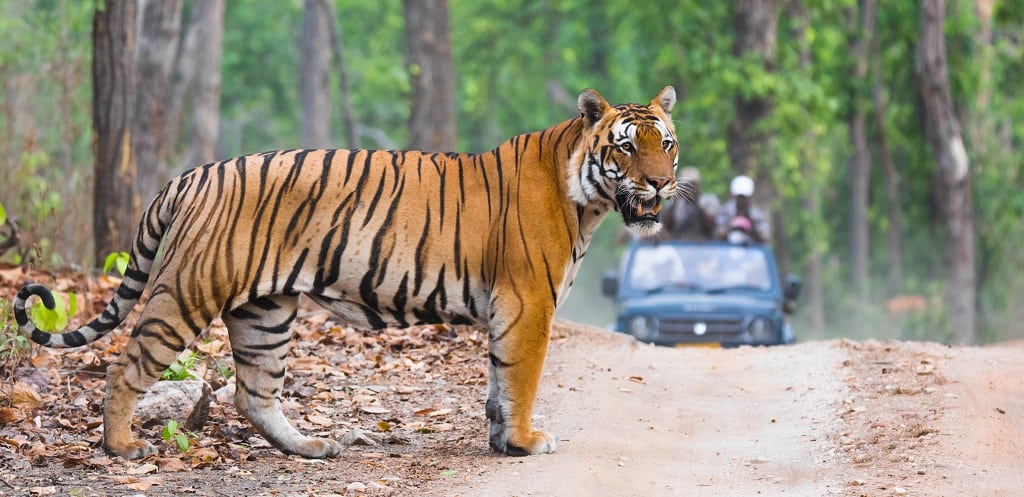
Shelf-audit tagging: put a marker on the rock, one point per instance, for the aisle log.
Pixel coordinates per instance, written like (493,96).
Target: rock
(187,402)
(360,437)
(356,487)
(226,394)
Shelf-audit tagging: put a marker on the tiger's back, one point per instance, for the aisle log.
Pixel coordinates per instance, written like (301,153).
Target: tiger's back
(383,239)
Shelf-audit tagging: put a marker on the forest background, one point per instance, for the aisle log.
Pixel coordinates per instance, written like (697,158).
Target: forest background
(847,112)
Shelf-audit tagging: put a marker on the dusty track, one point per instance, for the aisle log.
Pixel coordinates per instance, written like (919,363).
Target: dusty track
(812,419)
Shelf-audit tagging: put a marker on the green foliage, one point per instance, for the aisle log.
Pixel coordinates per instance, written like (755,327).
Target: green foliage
(13,344)
(519,67)
(181,368)
(3,214)
(173,433)
(56,319)
(116,259)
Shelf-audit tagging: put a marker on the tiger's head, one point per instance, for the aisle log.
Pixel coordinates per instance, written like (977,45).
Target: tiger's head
(626,159)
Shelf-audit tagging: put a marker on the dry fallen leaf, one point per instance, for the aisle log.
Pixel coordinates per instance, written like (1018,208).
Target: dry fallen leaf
(144,484)
(171,465)
(318,419)
(375,409)
(23,396)
(142,469)
(203,456)
(7,416)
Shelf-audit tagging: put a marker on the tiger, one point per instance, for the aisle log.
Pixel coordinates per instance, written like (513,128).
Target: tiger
(381,239)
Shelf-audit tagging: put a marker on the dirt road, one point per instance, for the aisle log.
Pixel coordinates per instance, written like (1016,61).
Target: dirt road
(812,419)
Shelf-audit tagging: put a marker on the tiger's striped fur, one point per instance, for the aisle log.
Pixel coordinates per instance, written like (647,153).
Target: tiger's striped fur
(381,238)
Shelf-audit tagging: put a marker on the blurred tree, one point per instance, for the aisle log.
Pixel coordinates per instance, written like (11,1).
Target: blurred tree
(429,62)
(893,208)
(860,163)
(344,91)
(754,26)
(115,200)
(206,30)
(942,130)
(315,74)
(156,45)
(196,86)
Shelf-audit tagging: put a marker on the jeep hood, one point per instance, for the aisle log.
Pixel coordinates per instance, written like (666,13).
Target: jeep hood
(719,303)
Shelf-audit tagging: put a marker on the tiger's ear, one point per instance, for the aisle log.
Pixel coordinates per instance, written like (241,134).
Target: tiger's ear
(666,99)
(592,106)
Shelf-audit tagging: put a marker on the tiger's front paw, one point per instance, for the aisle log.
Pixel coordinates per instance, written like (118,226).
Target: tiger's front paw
(537,442)
(314,448)
(133,449)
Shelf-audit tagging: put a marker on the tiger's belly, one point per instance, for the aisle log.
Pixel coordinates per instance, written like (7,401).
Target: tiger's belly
(362,315)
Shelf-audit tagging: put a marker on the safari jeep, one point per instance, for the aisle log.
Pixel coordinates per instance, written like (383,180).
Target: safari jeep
(682,292)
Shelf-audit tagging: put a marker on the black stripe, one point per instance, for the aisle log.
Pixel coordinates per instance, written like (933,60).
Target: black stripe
(242,313)
(127,293)
(270,346)
(420,247)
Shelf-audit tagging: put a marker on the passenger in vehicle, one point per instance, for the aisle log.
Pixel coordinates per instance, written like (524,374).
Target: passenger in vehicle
(739,220)
(691,217)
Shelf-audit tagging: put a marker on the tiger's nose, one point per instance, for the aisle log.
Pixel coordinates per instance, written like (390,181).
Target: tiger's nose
(659,182)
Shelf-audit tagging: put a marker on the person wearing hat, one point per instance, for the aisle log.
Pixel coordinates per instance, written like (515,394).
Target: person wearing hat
(739,220)
(692,216)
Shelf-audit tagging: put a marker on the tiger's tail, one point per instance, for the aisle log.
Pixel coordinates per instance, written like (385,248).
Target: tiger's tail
(144,249)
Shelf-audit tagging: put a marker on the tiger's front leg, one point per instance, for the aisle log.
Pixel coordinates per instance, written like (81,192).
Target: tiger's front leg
(515,362)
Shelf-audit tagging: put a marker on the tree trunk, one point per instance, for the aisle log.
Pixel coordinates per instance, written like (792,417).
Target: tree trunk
(428,52)
(894,239)
(116,204)
(347,117)
(315,76)
(942,130)
(159,24)
(754,24)
(196,86)
(209,19)
(814,286)
(859,168)
(860,163)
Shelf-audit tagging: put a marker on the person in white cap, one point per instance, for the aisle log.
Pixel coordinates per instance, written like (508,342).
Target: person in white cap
(739,220)
(691,217)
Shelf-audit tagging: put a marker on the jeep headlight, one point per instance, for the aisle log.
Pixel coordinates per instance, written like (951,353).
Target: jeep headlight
(760,329)
(643,327)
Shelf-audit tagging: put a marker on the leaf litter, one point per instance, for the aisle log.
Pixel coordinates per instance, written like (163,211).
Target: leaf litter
(417,391)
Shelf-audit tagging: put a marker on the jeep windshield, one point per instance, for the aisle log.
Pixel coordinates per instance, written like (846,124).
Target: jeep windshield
(711,268)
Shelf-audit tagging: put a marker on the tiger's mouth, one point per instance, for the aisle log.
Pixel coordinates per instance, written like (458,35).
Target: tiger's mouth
(637,210)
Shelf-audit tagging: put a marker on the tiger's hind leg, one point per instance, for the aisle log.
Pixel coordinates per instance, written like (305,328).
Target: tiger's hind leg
(160,335)
(260,335)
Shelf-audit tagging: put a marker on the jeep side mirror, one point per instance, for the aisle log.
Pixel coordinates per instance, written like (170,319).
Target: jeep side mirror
(791,290)
(610,284)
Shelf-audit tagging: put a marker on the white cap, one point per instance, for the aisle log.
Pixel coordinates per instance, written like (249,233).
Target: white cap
(741,185)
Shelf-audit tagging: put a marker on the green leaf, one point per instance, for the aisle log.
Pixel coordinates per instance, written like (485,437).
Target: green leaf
(182,441)
(109,261)
(72,304)
(170,429)
(116,259)
(3,214)
(449,472)
(50,320)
